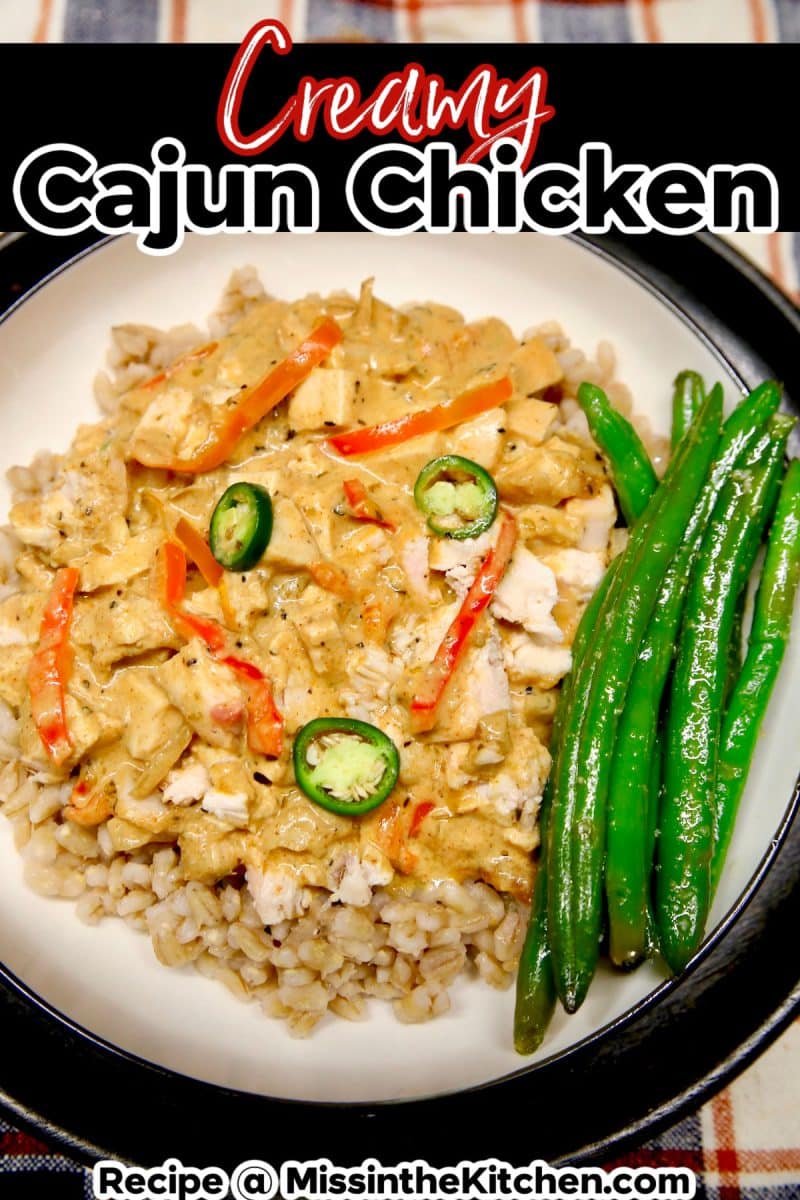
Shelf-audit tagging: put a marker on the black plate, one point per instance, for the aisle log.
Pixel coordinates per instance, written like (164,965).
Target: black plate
(637,1075)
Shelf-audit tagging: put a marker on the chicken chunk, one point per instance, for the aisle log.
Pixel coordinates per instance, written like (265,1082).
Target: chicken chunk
(598,516)
(125,836)
(578,570)
(315,617)
(245,596)
(529,661)
(121,627)
(165,426)
(478,688)
(530,418)
(415,640)
(150,719)
(473,846)
(526,595)
(372,674)
(460,560)
(108,570)
(480,439)
(211,850)
(83,509)
(291,545)
(186,784)
(231,807)
(513,793)
(88,724)
(20,618)
(534,367)
(205,692)
(543,475)
(540,522)
(146,812)
(14,663)
(354,873)
(219,784)
(325,398)
(413,556)
(277,893)
(300,700)
(302,827)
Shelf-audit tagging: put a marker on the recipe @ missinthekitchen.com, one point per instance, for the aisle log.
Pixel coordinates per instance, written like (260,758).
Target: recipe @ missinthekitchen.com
(320,1179)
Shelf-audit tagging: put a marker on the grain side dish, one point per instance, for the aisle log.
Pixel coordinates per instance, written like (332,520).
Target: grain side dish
(278,673)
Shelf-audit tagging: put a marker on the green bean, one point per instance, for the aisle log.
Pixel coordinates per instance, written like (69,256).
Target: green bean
(734,663)
(781,426)
(576,842)
(766,646)
(653,809)
(687,397)
(724,561)
(734,658)
(628,461)
(536,994)
(632,830)
(627,886)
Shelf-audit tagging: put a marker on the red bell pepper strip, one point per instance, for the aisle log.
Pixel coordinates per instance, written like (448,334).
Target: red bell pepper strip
(50,668)
(431,420)
(88,805)
(242,667)
(439,673)
(264,722)
(199,552)
(420,813)
(184,360)
(330,577)
(171,575)
(390,834)
(360,507)
(257,401)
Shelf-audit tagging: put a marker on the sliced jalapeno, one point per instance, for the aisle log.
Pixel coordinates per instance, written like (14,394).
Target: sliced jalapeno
(457,496)
(348,767)
(241,526)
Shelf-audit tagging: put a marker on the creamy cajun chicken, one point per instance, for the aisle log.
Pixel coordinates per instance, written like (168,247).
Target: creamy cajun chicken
(298,611)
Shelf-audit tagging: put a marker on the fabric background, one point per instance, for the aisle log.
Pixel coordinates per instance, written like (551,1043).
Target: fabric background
(745,1143)
(406,20)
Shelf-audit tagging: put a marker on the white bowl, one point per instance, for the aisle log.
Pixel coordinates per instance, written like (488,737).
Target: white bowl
(106,979)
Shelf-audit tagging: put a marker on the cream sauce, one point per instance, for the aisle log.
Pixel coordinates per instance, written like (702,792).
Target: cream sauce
(135,706)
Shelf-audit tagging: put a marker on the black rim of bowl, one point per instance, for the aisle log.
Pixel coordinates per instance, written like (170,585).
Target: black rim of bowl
(635,1076)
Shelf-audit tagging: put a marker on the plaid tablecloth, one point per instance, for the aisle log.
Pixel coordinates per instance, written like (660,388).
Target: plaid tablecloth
(745,1143)
(406,20)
